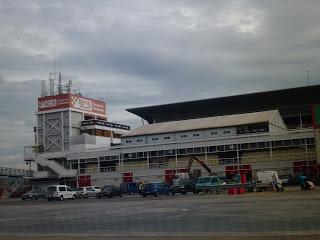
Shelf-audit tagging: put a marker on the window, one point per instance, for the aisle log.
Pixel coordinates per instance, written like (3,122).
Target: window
(62,189)
(197,150)
(128,141)
(196,135)
(51,188)
(154,139)
(183,136)
(226,131)
(166,138)
(189,150)
(139,140)
(161,153)
(214,133)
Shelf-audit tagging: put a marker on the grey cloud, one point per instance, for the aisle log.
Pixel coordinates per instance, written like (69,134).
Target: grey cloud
(151,52)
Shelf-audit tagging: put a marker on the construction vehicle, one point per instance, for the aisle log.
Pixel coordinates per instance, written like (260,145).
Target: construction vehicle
(268,181)
(185,182)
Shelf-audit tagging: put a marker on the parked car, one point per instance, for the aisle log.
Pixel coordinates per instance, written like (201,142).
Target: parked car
(91,191)
(183,183)
(130,188)
(33,195)
(60,192)
(209,184)
(79,192)
(109,191)
(155,189)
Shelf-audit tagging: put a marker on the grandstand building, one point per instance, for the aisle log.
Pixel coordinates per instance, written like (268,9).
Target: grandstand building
(270,130)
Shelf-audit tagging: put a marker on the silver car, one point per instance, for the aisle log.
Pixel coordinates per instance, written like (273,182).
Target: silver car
(91,191)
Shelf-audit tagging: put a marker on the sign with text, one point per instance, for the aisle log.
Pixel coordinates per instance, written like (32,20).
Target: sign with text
(88,105)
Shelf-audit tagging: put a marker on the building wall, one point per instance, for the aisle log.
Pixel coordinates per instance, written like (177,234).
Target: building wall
(134,165)
(179,136)
(278,155)
(160,138)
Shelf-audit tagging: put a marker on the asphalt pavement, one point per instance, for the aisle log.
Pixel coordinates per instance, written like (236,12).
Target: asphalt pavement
(290,213)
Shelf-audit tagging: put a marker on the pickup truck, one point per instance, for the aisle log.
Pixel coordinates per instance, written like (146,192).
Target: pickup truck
(268,180)
(209,184)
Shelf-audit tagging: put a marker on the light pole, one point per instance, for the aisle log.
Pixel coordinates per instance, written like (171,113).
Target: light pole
(238,159)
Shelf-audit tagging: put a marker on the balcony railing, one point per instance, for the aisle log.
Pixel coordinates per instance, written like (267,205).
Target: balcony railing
(216,164)
(13,172)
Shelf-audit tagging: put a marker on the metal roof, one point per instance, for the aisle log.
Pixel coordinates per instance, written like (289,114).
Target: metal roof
(290,102)
(204,123)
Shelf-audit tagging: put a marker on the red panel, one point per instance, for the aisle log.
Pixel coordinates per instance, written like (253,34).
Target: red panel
(53,102)
(233,170)
(88,105)
(232,191)
(127,177)
(84,181)
(310,168)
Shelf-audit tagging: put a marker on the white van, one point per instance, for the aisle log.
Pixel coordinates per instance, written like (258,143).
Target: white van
(268,180)
(60,192)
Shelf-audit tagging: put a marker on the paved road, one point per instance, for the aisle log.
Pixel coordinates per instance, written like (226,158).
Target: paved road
(287,212)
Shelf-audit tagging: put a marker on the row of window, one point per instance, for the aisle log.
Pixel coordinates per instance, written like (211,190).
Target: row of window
(201,150)
(181,136)
(224,148)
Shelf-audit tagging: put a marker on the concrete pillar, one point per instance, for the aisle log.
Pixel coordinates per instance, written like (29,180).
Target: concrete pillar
(176,156)
(317,143)
(148,161)
(206,156)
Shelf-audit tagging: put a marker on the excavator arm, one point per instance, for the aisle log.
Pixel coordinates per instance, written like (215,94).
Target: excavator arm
(202,163)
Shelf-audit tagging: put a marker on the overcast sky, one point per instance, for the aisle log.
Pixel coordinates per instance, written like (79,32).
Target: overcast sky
(138,53)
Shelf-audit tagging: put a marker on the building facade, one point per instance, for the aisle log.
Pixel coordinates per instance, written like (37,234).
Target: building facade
(97,152)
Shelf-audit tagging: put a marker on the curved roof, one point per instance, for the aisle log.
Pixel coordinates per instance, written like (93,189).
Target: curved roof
(288,101)
(205,123)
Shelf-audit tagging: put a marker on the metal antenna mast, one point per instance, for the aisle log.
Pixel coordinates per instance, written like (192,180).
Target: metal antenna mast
(54,59)
(308,79)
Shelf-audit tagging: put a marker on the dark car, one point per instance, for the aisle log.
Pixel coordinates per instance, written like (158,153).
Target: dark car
(130,188)
(183,186)
(155,189)
(33,195)
(109,192)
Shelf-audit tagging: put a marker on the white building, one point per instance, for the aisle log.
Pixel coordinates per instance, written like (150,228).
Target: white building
(78,146)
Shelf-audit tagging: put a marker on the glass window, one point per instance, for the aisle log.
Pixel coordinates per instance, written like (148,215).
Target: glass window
(52,189)
(62,189)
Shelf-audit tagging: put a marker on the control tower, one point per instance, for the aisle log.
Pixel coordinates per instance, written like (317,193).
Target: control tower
(60,112)
(67,122)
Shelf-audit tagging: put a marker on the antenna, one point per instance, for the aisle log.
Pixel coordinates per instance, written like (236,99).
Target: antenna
(60,84)
(308,79)
(54,59)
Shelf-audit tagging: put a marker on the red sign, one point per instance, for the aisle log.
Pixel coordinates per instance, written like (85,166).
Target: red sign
(90,106)
(53,102)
